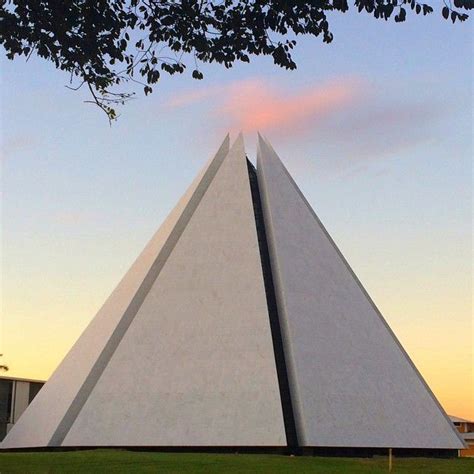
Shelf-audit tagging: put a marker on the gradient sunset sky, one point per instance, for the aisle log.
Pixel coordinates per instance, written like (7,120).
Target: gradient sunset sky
(376,129)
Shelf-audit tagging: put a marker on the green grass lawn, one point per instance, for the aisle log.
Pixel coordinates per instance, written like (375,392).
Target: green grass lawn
(113,461)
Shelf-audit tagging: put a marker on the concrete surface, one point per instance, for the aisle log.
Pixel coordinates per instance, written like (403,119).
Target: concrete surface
(352,384)
(196,366)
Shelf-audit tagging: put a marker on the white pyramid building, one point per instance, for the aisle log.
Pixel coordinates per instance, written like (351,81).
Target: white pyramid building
(239,325)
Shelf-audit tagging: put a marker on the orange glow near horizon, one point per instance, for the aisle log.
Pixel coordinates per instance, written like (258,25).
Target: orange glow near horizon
(437,336)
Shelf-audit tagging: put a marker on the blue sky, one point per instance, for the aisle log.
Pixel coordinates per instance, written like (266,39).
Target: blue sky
(386,165)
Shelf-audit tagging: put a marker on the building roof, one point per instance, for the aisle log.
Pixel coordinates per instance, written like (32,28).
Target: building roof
(20,379)
(457,419)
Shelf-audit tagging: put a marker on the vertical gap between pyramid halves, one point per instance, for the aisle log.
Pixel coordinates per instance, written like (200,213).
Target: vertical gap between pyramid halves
(283,383)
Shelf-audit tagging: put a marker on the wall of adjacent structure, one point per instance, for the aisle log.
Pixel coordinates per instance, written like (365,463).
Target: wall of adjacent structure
(15,396)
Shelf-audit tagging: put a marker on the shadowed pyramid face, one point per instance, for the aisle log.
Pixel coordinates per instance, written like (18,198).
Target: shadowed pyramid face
(240,324)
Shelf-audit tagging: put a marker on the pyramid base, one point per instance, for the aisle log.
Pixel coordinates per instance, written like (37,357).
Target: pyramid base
(349,452)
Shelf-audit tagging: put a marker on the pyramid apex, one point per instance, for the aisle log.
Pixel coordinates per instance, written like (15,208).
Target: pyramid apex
(226,142)
(240,138)
(261,139)
(265,152)
(238,147)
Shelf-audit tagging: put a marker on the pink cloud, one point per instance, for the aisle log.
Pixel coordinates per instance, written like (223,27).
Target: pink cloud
(350,119)
(255,105)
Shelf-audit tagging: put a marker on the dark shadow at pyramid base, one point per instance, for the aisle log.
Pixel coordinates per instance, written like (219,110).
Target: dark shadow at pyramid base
(275,450)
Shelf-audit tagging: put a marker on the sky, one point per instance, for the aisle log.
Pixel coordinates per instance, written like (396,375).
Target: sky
(376,129)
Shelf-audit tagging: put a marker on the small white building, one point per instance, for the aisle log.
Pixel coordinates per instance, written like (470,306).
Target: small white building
(466,428)
(15,395)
